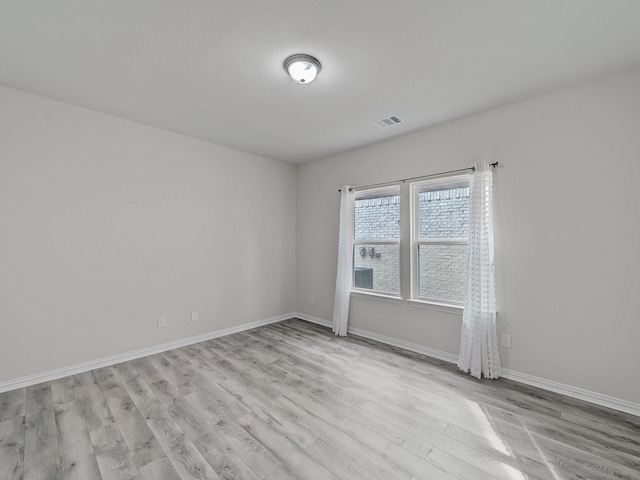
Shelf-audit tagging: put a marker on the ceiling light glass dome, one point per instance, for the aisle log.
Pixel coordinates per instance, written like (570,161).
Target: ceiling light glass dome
(302,68)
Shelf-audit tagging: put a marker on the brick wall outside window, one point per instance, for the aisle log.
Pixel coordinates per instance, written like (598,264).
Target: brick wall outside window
(379,219)
(443,214)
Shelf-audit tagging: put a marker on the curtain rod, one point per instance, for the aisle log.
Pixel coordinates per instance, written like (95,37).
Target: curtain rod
(404,180)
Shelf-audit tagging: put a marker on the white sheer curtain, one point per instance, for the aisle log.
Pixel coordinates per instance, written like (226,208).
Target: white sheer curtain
(345,260)
(479,344)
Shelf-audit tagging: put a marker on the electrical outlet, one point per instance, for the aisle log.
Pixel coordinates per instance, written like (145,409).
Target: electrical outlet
(312,300)
(194,316)
(162,322)
(505,340)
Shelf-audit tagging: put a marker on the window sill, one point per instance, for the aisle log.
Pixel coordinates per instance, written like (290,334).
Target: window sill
(376,296)
(440,307)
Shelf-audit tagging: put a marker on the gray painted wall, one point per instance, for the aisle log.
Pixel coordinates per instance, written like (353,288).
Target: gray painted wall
(568,231)
(107,224)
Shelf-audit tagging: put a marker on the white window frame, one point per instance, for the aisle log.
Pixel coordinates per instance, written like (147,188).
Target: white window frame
(416,299)
(372,293)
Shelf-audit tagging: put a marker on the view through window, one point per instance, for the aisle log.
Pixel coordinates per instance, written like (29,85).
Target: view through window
(440,240)
(376,255)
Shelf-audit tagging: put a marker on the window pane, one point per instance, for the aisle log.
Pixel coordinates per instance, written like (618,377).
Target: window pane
(442,271)
(443,212)
(378,218)
(377,267)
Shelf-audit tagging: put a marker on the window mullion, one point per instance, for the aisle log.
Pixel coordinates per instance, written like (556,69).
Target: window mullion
(443,241)
(376,242)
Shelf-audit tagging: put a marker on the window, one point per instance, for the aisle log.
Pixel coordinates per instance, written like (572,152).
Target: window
(439,225)
(376,248)
(440,228)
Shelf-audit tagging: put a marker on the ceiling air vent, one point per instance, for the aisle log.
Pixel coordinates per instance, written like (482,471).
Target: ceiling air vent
(388,121)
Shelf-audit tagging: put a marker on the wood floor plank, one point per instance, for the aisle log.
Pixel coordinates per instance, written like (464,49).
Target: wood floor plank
(63,389)
(106,378)
(269,411)
(378,465)
(464,470)
(337,462)
(512,401)
(140,440)
(286,451)
(470,461)
(43,465)
(160,469)
(258,458)
(312,372)
(169,371)
(428,413)
(284,473)
(135,386)
(204,350)
(392,452)
(161,387)
(11,463)
(218,400)
(525,455)
(291,401)
(77,456)
(113,456)
(12,404)
(420,398)
(184,456)
(40,425)
(272,377)
(224,461)
(194,422)
(92,401)
(602,414)
(41,452)
(563,445)
(610,446)
(38,397)
(161,420)
(12,448)
(416,445)
(416,424)
(599,429)
(326,358)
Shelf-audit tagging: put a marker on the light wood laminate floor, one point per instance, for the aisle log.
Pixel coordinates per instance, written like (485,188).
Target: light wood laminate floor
(291,401)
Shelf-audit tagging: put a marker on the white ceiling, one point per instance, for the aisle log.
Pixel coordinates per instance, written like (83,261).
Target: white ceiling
(212,69)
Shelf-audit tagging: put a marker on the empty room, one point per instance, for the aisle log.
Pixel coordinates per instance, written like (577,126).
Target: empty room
(319,240)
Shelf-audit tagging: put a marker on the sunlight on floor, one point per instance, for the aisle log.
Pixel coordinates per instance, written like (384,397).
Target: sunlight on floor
(486,428)
(485,425)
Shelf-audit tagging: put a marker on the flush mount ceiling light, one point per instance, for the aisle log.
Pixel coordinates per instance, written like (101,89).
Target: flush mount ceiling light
(302,68)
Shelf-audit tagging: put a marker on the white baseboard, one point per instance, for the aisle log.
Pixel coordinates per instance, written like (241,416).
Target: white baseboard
(412,347)
(312,319)
(124,357)
(571,391)
(568,390)
(575,392)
